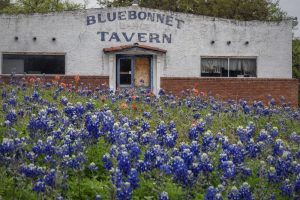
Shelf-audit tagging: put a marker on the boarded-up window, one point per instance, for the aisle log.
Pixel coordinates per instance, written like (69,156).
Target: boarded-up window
(142,72)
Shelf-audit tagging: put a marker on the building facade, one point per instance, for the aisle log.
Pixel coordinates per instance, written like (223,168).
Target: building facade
(139,47)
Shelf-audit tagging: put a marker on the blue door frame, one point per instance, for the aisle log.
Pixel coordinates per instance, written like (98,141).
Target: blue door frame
(133,58)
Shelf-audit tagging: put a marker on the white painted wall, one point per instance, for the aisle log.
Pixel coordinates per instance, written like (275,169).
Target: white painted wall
(270,42)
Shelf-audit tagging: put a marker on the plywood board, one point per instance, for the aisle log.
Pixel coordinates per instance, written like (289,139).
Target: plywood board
(142,72)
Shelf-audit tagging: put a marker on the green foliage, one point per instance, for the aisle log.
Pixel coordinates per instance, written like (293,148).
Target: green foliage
(4,4)
(296,58)
(232,9)
(38,6)
(296,61)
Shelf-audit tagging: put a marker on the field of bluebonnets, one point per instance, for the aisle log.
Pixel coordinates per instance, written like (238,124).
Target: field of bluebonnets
(60,141)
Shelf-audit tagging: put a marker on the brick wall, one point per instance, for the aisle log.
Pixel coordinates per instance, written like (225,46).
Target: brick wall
(90,81)
(236,88)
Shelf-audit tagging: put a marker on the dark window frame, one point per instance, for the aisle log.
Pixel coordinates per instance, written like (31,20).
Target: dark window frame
(38,56)
(228,58)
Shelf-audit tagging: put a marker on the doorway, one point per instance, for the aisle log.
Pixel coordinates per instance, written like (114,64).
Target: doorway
(134,71)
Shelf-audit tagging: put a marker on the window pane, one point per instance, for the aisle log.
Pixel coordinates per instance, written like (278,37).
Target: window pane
(34,64)
(125,71)
(214,67)
(242,67)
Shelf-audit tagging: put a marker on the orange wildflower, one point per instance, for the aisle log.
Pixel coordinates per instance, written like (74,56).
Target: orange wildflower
(124,105)
(152,94)
(195,92)
(77,78)
(63,85)
(102,98)
(133,97)
(134,106)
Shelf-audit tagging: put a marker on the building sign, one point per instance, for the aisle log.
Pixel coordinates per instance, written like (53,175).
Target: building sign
(167,20)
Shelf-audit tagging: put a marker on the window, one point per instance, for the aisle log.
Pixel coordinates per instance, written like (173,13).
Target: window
(33,64)
(228,67)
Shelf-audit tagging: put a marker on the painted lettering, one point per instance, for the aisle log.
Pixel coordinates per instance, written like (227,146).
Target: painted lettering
(100,20)
(142,37)
(132,15)
(168,20)
(160,18)
(128,39)
(142,15)
(102,35)
(154,37)
(114,36)
(111,16)
(121,15)
(151,16)
(179,23)
(90,20)
(167,38)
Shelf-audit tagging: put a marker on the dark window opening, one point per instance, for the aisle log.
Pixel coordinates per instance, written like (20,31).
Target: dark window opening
(33,64)
(125,71)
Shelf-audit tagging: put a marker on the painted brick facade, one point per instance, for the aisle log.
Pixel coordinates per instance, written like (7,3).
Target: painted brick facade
(236,88)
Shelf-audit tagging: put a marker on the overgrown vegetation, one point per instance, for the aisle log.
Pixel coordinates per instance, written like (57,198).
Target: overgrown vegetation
(231,9)
(37,6)
(62,141)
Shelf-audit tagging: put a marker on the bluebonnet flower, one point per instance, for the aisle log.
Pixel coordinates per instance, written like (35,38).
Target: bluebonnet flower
(234,194)
(164,196)
(195,148)
(133,178)
(38,148)
(205,165)
(238,153)
(272,176)
(12,101)
(161,130)
(147,115)
(49,178)
(7,146)
(124,192)
(39,187)
(11,116)
(252,149)
(31,170)
(244,192)
(64,101)
(294,137)
(274,132)
(208,142)
(98,197)
(90,106)
(210,193)
(286,188)
(161,92)
(124,162)
(93,166)
(229,169)
(297,184)
(193,133)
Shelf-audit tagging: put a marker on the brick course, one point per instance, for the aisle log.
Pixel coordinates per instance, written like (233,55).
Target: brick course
(89,81)
(237,88)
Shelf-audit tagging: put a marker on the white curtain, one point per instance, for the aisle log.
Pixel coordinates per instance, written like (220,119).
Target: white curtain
(246,66)
(213,65)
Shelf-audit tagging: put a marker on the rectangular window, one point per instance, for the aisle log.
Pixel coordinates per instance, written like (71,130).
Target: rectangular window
(33,64)
(228,67)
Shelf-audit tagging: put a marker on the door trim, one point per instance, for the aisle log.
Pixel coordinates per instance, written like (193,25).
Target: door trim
(133,57)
